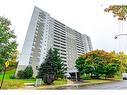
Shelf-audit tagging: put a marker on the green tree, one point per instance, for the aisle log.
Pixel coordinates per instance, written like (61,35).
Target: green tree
(80,65)
(28,72)
(119,11)
(123,61)
(46,70)
(97,63)
(59,66)
(111,69)
(7,43)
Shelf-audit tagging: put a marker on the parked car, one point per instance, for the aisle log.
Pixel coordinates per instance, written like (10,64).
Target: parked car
(124,75)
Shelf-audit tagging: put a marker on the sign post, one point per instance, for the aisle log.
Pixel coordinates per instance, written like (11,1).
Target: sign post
(6,64)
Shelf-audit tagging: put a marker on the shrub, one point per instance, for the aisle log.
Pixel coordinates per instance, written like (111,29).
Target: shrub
(25,74)
(85,77)
(12,76)
(28,72)
(20,74)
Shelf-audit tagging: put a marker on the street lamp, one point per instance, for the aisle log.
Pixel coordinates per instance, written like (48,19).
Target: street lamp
(116,36)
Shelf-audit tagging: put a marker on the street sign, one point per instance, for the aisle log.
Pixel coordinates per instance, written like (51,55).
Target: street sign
(7,64)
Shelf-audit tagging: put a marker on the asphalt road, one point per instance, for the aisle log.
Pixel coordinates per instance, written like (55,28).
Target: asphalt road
(107,86)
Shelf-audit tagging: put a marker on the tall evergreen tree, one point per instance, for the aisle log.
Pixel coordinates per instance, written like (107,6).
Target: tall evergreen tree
(46,70)
(59,66)
(52,68)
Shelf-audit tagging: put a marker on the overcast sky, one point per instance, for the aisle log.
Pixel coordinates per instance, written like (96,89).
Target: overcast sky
(85,16)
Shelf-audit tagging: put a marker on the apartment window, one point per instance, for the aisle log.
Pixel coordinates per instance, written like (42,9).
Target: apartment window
(62,38)
(63,44)
(63,54)
(56,36)
(63,33)
(56,28)
(63,41)
(56,42)
(56,39)
(64,61)
(30,62)
(63,57)
(63,47)
(59,22)
(56,45)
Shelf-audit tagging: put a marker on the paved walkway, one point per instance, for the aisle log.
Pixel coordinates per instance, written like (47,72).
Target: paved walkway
(30,86)
(69,84)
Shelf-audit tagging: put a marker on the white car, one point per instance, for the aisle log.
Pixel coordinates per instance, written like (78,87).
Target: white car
(124,75)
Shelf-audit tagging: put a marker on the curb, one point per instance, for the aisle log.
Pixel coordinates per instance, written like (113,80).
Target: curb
(73,85)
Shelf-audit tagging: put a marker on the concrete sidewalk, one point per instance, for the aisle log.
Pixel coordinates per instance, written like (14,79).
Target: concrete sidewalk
(69,84)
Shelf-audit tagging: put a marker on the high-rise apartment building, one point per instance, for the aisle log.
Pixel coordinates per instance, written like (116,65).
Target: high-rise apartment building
(45,32)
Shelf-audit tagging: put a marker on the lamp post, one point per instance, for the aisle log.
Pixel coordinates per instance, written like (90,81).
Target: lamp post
(116,36)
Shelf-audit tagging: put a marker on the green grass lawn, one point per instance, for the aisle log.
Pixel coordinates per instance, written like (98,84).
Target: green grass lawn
(19,83)
(7,74)
(55,84)
(60,82)
(13,83)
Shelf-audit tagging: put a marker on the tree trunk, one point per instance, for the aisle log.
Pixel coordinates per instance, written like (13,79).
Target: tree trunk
(97,76)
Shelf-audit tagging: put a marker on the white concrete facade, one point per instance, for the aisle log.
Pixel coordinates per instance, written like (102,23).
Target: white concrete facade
(45,32)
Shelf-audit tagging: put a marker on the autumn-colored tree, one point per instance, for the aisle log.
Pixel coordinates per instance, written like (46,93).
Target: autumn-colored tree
(13,61)
(123,61)
(119,11)
(98,63)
